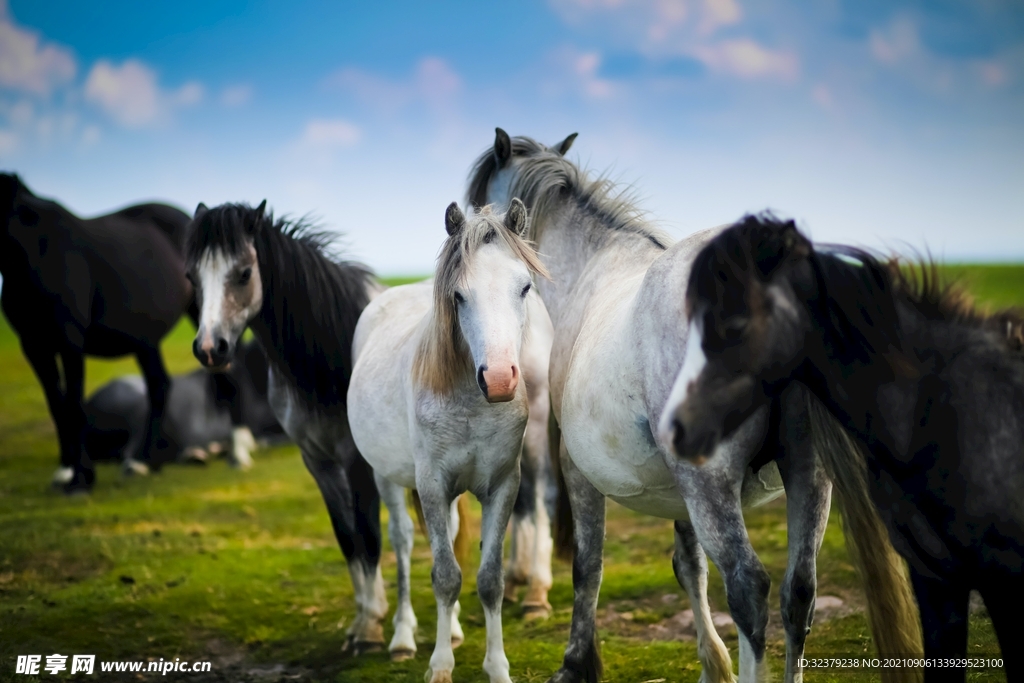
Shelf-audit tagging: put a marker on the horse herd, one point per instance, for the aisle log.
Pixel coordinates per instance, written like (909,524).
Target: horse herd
(562,331)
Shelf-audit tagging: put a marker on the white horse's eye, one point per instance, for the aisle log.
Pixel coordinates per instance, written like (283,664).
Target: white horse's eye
(526,290)
(459,299)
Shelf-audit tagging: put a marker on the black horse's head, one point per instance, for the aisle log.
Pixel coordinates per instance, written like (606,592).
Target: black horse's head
(748,324)
(222,264)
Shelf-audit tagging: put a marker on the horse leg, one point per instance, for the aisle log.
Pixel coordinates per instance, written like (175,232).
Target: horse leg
(523,533)
(1004,600)
(353,503)
(535,452)
(158,384)
(717,518)
(74,420)
(582,661)
(454,521)
(228,392)
(808,498)
(400,531)
(943,606)
(445,575)
(44,364)
(691,568)
(497,508)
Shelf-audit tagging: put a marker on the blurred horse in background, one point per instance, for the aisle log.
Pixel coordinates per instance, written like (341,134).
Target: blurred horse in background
(197,420)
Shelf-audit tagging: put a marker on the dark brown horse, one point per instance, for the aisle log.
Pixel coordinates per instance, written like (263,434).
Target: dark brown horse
(106,286)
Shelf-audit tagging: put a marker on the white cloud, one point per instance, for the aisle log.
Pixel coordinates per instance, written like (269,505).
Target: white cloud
(433,82)
(745,58)
(329,133)
(236,95)
(684,28)
(26,64)
(897,48)
(131,95)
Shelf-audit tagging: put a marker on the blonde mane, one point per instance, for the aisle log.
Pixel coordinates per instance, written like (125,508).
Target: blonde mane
(442,359)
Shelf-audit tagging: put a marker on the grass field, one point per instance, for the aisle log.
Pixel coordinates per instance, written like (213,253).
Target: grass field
(242,569)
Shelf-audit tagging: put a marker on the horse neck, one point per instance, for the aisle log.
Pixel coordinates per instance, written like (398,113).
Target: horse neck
(581,252)
(309,313)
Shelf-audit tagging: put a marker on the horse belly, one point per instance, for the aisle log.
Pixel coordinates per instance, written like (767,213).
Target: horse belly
(607,442)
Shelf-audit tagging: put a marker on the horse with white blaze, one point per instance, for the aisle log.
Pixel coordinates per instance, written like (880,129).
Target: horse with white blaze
(438,403)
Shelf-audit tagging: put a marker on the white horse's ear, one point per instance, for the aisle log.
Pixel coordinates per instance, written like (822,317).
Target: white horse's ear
(502,147)
(257,221)
(453,219)
(200,210)
(563,146)
(515,217)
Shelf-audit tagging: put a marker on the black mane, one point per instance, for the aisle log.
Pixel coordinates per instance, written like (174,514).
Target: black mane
(859,291)
(311,302)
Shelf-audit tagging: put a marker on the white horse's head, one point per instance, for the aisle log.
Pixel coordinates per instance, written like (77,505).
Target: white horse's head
(483,278)
(224,269)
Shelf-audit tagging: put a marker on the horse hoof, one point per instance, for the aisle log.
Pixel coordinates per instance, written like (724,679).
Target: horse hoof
(402,654)
(63,476)
(135,468)
(536,611)
(194,456)
(437,676)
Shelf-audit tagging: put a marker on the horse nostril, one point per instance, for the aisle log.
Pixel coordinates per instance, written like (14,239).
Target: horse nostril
(515,373)
(480,379)
(222,346)
(678,436)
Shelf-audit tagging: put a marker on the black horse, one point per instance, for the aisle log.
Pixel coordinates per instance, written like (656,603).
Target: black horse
(278,278)
(107,286)
(931,389)
(196,416)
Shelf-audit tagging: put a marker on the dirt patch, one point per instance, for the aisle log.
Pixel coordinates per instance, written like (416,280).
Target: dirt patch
(643,620)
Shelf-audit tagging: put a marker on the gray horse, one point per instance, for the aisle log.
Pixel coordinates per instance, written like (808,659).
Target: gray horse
(196,418)
(620,337)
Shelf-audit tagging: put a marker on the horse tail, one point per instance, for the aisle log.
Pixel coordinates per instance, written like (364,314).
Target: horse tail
(417,505)
(892,608)
(563,536)
(460,545)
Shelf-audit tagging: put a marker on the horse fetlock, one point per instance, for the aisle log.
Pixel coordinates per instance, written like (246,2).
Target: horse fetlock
(242,444)
(403,643)
(496,667)
(134,468)
(63,475)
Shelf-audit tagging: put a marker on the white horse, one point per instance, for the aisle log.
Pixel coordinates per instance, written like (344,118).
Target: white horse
(436,404)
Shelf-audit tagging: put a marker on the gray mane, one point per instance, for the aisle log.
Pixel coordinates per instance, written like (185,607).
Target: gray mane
(545,179)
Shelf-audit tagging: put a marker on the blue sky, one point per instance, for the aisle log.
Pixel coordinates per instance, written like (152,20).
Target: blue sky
(875,123)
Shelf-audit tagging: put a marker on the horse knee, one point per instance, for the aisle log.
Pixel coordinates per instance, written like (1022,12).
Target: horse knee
(490,587)
(447,579)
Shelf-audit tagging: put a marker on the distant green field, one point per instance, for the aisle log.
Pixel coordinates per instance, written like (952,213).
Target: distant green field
(242,568)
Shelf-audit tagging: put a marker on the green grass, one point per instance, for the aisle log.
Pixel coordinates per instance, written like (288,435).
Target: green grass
(242,568)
